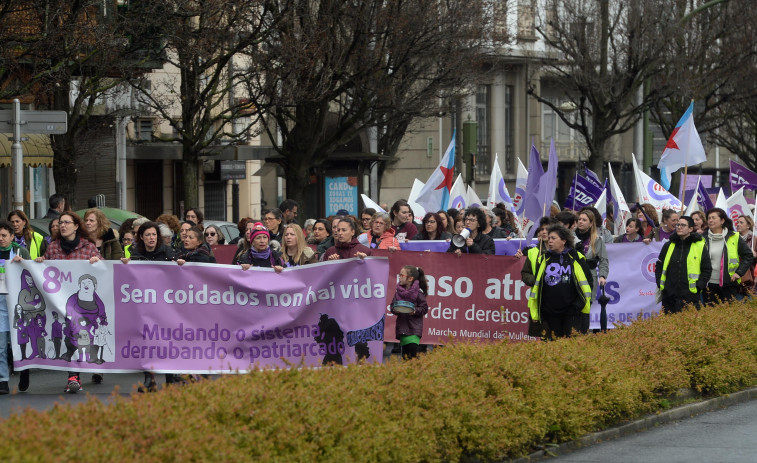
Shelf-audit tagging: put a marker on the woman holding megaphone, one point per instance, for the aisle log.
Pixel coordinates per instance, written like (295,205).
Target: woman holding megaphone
(471,240)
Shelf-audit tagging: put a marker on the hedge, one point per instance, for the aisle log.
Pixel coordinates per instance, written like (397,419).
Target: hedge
(461,402)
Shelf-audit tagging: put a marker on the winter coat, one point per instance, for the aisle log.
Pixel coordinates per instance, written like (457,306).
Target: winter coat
(410,323)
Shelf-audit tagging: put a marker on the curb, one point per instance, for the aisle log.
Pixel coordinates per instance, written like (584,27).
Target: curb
(678,413)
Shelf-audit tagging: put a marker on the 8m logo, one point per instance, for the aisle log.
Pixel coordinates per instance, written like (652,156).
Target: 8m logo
(53,279)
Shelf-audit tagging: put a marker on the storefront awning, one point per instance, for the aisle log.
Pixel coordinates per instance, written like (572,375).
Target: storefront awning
(36,149)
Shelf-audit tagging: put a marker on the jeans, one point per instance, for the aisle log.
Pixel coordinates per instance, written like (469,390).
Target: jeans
(4,339)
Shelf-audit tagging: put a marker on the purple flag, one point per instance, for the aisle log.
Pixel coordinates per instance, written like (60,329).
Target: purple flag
(592,177)
(583,193)
(540,199)
(703,198)
(741,176)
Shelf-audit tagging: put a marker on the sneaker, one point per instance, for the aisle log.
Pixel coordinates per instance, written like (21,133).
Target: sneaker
(74,385)
(97,378)
(23,383)
(4,389)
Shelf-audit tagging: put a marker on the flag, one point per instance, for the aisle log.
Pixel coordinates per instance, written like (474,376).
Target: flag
(684,148)
(473,199)
(693,204)
(601,206)
(418,210)
(539,196)
(653,193)
(620,207)
(592,177)
(459,195)
(583,193)
(370,203)
(520,188)
(741,176)
(738,206)
(497,188)
(721,202)
(436,192)
(703,197)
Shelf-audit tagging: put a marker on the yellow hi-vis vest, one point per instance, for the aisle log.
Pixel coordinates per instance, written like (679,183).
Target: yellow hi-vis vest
(535,257)
(580,278)
(693,264)
(35,245)
(732,248)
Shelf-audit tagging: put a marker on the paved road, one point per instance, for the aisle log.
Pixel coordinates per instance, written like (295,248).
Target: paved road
(726,435)
(47,388)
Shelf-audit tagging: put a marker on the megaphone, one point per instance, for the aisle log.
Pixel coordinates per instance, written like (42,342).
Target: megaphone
(459,240)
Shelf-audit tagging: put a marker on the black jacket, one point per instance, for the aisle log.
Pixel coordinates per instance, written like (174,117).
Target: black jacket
(163,253)
(482,244)
(676,279)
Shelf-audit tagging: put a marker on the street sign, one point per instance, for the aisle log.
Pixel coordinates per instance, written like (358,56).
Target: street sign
(233,170)
(45,122)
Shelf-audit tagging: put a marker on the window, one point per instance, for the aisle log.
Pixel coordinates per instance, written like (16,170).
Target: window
(483,158)
(553,127)
(144,130)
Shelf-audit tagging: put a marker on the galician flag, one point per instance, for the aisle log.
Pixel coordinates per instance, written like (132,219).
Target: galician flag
(684,148)
(436,192)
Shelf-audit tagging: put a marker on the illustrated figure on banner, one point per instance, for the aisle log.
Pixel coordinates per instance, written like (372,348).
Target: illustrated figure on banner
(30,298)
(22,333)
(86,311)
(330,339)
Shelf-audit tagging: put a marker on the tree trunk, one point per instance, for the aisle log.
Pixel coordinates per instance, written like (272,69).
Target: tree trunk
(64,168)
(297,176)
(189,163)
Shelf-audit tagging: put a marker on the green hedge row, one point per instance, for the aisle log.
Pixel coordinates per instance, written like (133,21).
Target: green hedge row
(458,403)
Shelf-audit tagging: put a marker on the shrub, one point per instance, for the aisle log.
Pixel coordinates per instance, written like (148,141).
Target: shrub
(461,402)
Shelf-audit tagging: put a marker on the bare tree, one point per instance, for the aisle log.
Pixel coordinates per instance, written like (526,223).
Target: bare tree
(600,54)
(62,55)
(201,95)
(709,58)
(331,69)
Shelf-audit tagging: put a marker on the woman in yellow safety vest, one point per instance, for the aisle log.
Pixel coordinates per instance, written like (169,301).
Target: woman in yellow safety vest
(562,290)
(24,236)
(730,257)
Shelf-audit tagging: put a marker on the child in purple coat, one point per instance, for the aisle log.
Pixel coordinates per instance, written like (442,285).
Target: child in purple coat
(412,288)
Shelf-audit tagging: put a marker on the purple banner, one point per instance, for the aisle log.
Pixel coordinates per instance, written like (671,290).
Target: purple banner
(741,176)
(198,318)
(501,247)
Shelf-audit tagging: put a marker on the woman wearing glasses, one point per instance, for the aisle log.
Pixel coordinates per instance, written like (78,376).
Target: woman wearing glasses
(380,234)
(433,228)
(214,236)
(272,220)
(476,242)
(73,243)
(257,251)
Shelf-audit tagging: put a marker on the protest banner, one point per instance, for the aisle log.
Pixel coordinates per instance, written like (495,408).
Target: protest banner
(471,297)
(195,318)
(630,285)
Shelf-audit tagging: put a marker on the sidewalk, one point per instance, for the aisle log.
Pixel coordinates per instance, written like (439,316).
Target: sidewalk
(698,432)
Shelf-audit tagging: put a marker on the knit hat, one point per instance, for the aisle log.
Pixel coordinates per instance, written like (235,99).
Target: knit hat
(259,229)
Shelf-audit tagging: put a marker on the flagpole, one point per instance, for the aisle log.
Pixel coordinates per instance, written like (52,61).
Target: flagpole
(686,159)
(575,183)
